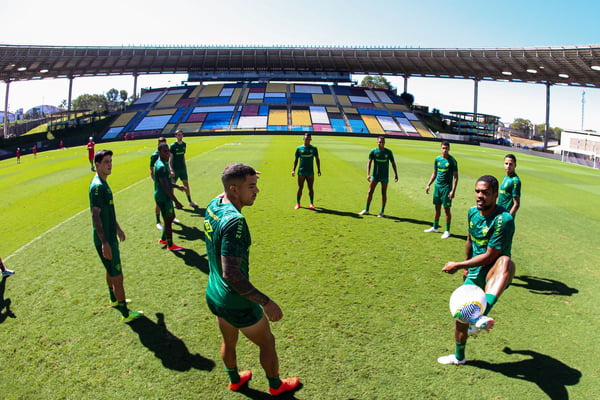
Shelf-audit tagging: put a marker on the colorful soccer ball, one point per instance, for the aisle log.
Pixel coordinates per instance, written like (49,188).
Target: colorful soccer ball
(467,303)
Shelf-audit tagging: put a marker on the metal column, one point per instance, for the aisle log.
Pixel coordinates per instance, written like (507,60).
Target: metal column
(548,84)
(475,98)
(69,106)
(6,111)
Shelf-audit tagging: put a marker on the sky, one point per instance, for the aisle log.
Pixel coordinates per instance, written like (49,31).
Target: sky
(425,24)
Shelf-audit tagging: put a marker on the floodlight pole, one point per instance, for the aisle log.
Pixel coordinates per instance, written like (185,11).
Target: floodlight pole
(6,110)
(548,84)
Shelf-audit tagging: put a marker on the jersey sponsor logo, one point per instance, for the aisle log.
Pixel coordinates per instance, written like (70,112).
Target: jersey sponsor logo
(208,229)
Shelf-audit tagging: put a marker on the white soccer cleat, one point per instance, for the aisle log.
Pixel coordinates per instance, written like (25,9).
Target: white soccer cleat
(176,221)
(431,230)
(446,235)
(484,323)
(380,215)
(7,272)
(451,360)
(363,212)
(159,226)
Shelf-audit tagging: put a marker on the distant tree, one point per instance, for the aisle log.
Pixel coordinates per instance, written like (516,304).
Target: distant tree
(376,82)
(522,125)
(94,102)
(409,100)
(554,132)
(124,96)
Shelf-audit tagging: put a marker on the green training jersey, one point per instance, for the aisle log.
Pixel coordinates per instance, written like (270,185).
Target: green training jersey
(161,170)
(444,170)
(509,189)
(306,154)
(495,230)
(226,234)
(381,167)
(101,196)
(178,151)
(153,158)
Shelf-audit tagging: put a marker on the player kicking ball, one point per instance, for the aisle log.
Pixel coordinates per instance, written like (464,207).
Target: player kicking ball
(488,263)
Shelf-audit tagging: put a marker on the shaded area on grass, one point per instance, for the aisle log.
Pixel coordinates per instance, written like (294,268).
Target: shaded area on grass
(551,375)
(5,303)
(198,211)
(193,259)
(171,350)
(544,286)
(337,212)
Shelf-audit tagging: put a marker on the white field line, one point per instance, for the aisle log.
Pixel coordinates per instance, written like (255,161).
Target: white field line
(65,221)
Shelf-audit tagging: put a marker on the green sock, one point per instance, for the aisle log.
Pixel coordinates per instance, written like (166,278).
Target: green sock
(459,350)
(234,376)
(122,307)
(189,198)
(111,294)
(382,208)
(312,198)
(436,223)
(297,200)
(274,382)
(367,206)
(163,236)
(158,218)
(491,300)
(448,227)
(169,241)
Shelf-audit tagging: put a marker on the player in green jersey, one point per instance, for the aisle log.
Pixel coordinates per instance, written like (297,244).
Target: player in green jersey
(445,174)
(488,259)
(153,159)
(306,153)
(108,233)
(380,158)
(164,197)
(178,166)
(237,304)
(510,189)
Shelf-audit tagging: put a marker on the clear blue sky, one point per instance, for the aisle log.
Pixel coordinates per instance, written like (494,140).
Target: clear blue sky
(433,23)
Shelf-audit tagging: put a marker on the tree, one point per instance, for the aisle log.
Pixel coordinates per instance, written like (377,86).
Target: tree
(94,102)
(522,125)
(376,82)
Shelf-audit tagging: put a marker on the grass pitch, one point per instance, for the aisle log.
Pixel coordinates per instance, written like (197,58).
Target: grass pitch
(364,298)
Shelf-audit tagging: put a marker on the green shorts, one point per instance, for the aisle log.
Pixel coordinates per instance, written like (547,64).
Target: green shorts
(440,196)
(167,209)
(238,317)
(180,173)
(113,267)
(380,179)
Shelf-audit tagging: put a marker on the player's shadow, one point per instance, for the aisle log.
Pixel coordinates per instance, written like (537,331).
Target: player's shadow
(189,233)
(5,303)
(258,395)
(196,211)
(551,375)
(544,286)
(171,350)
(337,212)
(193,259)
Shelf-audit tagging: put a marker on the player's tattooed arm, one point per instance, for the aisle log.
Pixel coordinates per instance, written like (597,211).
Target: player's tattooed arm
(234,277)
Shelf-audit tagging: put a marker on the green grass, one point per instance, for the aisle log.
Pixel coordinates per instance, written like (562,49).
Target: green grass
(364,299)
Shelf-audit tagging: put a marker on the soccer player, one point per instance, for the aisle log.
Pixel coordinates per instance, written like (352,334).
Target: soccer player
(177,164)
(488,262)
(5,272)
(90,149)
(237,304)
(382,158)
(164,197)
(18,154)
(34,151)
(445,173)
(306,153)
(510,189)
(108,233)
(153,159)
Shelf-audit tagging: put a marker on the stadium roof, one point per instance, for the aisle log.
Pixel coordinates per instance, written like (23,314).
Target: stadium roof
(569,65)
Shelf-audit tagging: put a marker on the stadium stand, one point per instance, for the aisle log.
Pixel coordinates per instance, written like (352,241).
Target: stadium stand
(244,106)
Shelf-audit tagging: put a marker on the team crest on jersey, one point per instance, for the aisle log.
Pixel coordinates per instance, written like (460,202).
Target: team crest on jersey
(485,230)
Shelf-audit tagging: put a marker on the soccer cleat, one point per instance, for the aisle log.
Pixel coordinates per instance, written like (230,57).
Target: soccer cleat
(446,235)
(451,360)
(193,204)
(7,272)
(472,331)
(364,212)
(133,315)
(311,206)
(297,206)
(159,226)
(116,303)
(245,376)
(160,241)
(174,247)
(287,385)
(176,221)
(484,323)
(380,215)
(432,229)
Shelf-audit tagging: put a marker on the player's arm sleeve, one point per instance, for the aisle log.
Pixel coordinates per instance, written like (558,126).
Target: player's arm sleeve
(503,228)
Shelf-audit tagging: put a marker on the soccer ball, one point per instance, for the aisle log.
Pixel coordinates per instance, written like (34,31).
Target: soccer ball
(467,303)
